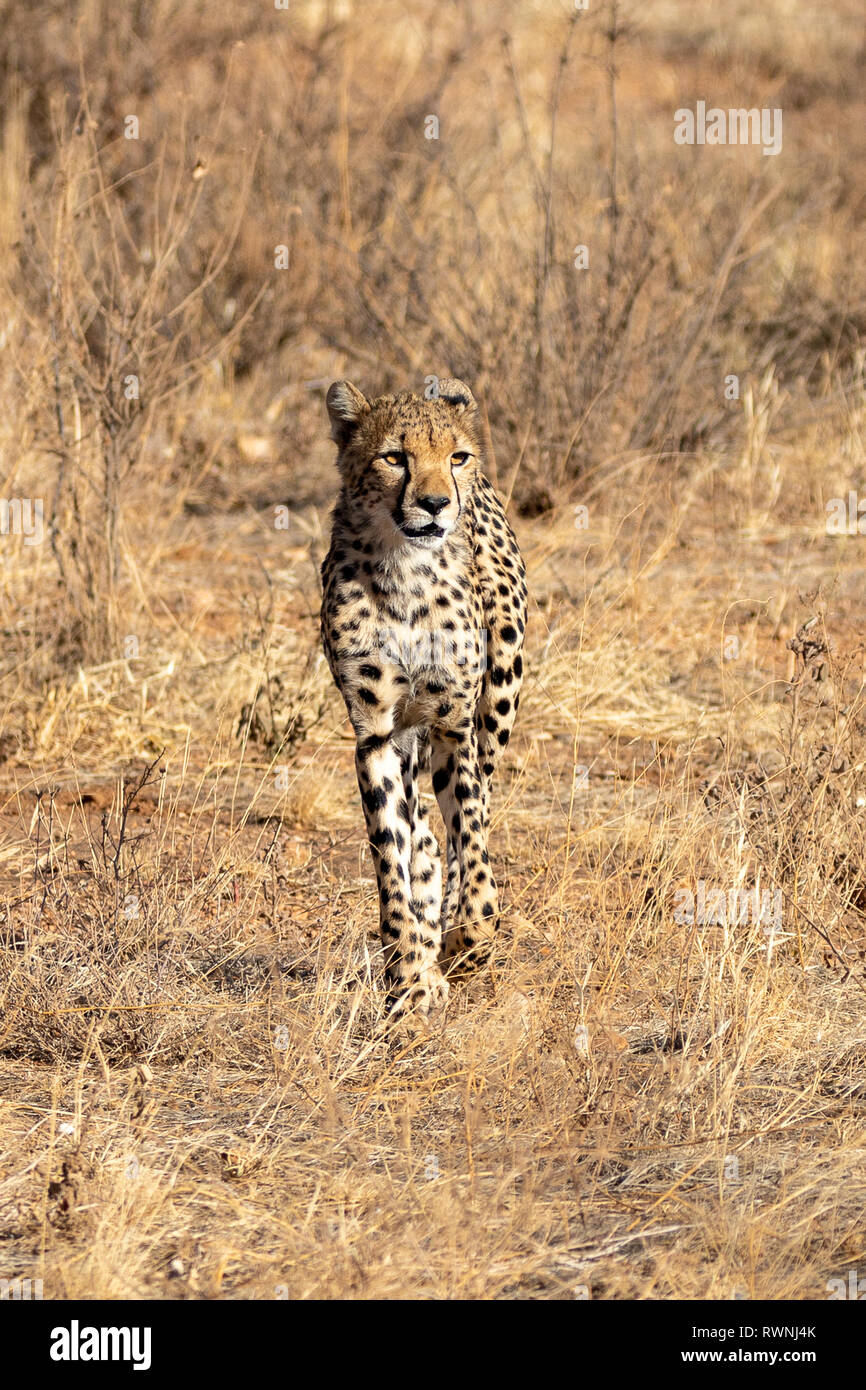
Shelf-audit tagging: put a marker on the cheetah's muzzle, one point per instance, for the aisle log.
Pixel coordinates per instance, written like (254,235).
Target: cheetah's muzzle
(422,625)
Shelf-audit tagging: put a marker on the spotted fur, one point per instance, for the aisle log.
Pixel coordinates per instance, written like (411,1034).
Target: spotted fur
(423,614)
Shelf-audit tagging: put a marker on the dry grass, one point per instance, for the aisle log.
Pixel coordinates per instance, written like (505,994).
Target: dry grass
(194,1096)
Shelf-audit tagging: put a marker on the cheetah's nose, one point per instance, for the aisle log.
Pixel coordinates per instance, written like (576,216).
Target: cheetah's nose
(433,505)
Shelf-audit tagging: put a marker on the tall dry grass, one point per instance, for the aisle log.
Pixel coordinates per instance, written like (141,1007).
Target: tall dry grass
(631,1103)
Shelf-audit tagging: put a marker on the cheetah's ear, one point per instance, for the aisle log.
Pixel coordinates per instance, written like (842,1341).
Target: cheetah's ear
(458,395)
(346,404)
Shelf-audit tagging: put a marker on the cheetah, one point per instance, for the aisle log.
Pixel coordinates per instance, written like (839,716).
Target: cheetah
(423,615)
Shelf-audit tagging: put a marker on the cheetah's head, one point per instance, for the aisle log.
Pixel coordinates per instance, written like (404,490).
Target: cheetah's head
(408,463)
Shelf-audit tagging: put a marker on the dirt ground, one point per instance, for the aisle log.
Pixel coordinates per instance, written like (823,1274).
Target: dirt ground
(196,1097)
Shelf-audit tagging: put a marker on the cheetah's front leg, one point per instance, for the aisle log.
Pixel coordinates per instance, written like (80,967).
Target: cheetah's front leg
(410,942)
(457,781)
(425,875)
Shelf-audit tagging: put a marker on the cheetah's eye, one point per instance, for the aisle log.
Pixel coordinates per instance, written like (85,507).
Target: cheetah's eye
(394,458)
(460,458)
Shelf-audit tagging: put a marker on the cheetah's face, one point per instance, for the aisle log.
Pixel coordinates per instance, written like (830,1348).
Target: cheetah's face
(408,464)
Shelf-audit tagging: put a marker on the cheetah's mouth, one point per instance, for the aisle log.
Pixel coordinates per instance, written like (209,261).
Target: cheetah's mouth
(420,533)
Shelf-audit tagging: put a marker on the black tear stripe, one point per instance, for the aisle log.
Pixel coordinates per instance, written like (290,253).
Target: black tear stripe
(398,514)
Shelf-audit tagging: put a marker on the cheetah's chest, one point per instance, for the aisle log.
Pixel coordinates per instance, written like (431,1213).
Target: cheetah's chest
(419,650)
